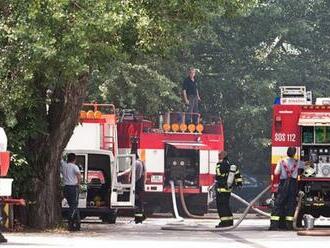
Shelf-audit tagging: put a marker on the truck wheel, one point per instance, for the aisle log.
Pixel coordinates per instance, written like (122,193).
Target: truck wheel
(109,218)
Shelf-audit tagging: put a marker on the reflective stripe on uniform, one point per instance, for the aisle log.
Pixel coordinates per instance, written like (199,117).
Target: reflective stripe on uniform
(289,218)
(226,218)
(238,180)
(275,218)
(218,171)
(138,215)
(223,190)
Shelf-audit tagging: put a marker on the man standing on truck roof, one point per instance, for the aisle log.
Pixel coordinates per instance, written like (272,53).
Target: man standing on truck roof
(71,178)
(191,94)
(285,201)
(227,175)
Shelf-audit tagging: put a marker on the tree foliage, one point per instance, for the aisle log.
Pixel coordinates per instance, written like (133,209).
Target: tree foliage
(53,52)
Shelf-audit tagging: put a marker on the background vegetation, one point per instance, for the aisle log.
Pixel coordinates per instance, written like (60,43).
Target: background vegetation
(54,55)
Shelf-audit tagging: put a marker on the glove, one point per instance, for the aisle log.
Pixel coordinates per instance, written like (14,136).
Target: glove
(239,185)
(83,188)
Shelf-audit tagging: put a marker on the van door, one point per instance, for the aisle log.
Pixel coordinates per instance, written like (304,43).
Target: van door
(123,181)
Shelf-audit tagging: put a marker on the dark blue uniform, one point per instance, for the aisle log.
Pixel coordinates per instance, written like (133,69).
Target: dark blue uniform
(223,192)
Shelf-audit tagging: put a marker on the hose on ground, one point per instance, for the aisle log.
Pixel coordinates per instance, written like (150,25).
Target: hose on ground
(175,208)
(303,231)
(187,228)
(190,215)
(247,204)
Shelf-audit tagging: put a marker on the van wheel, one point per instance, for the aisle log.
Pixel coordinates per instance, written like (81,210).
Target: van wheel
(109,218)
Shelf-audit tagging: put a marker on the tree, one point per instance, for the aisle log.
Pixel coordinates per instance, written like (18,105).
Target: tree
(49,52)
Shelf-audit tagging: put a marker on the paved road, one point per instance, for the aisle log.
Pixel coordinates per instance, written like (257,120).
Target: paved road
(251,233)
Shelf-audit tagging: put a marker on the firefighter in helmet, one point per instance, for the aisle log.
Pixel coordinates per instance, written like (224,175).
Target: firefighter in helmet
(227,175)
(285,201)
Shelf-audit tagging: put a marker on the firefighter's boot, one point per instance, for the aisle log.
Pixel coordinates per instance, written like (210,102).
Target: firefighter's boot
(289,225)
(139,218)
(282,223)
(2,239)
(274,224)
(226,223)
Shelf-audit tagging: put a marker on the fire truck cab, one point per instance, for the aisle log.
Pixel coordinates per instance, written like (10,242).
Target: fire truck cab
(94,141)
(174,146)
(304,124)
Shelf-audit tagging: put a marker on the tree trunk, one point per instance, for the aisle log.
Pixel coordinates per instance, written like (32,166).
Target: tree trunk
(46,152)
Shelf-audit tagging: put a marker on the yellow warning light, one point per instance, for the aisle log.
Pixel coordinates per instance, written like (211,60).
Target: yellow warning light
(97,115)
(83,114)
(183,127)
(90,114)
(166,127)
(191,128)
(199,128)
(175,127)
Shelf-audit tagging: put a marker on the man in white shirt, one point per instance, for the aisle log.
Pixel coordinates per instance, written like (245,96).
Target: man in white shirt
(285,201)
(71,179)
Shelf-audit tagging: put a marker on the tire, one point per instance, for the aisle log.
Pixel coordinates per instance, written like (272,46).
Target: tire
(109,218)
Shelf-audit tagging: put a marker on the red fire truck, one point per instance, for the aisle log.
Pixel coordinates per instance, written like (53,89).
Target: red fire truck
(299,122)
(174,146)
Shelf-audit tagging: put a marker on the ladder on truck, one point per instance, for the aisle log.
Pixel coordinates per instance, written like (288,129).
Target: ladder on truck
(295,95)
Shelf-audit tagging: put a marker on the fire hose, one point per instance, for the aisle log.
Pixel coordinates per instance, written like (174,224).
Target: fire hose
(191,228)
(186,211)
(175,208)
(303,231)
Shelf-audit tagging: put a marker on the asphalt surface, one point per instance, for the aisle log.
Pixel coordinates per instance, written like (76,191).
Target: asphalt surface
(125,233)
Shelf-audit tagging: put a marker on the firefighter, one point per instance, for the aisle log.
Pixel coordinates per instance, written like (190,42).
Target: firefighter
(227,175)
(140,178)
(285,201)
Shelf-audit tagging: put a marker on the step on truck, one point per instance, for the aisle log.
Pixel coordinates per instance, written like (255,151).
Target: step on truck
(305,124)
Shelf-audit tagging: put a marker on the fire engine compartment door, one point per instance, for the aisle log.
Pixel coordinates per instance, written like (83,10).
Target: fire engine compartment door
(314,119)
(187,145)
(123,187)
